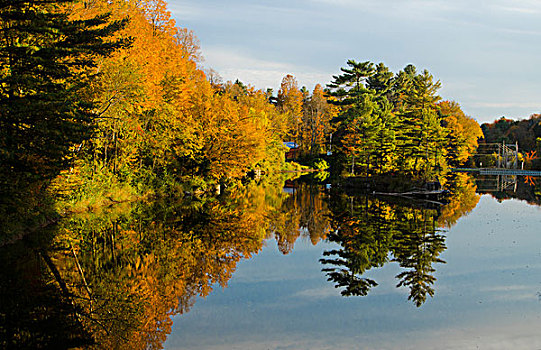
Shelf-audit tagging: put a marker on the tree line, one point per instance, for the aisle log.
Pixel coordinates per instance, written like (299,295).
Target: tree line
(374,122)
(525,132)
(396,123)
(107,99)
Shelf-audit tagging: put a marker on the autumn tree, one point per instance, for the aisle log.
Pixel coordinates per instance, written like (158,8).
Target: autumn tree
(163,122)
(526,132)
(316,127)
(464,132)
(47,60)
(289,102)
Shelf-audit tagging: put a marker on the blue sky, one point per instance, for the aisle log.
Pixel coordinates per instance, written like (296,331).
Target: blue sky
(486,53)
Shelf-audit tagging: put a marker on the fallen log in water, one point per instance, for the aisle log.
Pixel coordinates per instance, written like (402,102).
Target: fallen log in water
(434,196)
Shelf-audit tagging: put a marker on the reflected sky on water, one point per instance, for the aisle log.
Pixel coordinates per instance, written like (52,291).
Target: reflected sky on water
(487,296)
(268,262)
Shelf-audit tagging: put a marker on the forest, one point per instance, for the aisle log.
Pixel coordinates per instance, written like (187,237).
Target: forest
(396,123)
(133,179)
(525,132)
(107,101)
(103,102)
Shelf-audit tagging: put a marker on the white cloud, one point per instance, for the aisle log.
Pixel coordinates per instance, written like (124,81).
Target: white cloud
(532,105)
(183,11)
(232,65)
(523,10)
(512,293)
(527,7)
(520,31)
(510,288)
(319,293)
(519,336)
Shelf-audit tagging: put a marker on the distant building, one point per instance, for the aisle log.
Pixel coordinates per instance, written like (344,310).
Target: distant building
(293,150)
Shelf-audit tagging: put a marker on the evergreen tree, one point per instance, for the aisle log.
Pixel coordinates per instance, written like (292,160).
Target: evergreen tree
(347,88)
(420,130)
(46,60)
(381,81)
(365,134)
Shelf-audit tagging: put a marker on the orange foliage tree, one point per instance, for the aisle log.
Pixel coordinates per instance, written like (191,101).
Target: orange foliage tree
(160,119)
(316,127)
(464,131)
(290,103)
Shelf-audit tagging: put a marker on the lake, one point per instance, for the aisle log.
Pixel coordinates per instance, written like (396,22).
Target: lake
(295,268)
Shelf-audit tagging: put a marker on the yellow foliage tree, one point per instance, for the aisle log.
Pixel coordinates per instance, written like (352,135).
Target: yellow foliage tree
(317,114)
(464,131)
(290,103)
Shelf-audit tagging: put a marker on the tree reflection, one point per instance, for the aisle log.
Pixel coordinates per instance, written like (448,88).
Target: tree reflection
(36,311)
(373,231)
(115,279)
(463,199)
(139,270)
(304,212)
(417,246)
(359,226)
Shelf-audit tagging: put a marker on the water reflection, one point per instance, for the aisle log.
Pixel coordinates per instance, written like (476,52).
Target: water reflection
(35,311)
(304,212)
(373,231)
(527,188)
(115,279)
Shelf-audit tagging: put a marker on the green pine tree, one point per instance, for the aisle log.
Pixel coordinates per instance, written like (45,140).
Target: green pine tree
(46,60)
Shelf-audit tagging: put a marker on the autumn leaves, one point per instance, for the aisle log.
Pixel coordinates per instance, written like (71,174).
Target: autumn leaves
(141,112)
(161,121)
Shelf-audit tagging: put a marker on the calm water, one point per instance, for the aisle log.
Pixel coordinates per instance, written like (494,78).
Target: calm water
(487,296)
(268,268)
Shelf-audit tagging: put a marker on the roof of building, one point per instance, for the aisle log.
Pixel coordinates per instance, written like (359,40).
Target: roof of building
(291,144)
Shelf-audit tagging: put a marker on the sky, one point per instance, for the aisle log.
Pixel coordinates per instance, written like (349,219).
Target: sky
(486,53)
